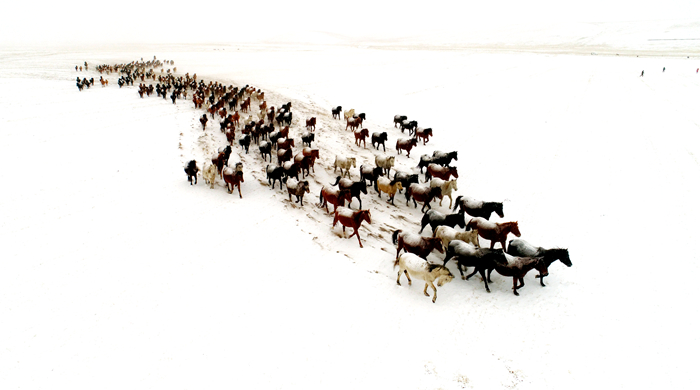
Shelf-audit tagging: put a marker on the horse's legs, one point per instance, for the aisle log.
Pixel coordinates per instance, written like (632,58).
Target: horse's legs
(493,243)
(358,236)
(483,276)
(488,275)
(408,277)
(239,191)
(541,279)
(471,274)
(515,286)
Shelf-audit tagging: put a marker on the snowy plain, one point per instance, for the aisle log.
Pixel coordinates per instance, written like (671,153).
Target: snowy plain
(117,273)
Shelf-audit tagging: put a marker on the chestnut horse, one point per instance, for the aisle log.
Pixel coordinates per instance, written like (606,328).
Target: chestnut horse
(406,144)
(415,243)
(350,218)
(311,124)
(360,136)
(234,178)
(334,196)
(494,231)
(441,172)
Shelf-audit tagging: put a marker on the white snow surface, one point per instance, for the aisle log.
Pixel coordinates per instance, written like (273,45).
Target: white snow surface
(116,273)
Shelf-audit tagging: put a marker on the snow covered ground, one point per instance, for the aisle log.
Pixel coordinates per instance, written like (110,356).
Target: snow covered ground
(117,273)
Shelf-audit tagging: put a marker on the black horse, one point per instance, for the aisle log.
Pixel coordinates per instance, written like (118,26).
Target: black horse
(379,139)
(191,170)
(406,179)
(435,218)
(355,187)
(424,161)
(265,149)
(274,174)
(443,159)
(477,208)
(522,248)
(245,143)
(307,138)
(336,111)
(482,259)
(371,174)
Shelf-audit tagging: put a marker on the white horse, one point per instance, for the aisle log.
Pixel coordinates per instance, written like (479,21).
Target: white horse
(209,174)
(349,114)
(385,162)
(447,234)
(344,163)
(413,265)
(445,186)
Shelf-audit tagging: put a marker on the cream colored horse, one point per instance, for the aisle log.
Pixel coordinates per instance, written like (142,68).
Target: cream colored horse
(446,186)
(344,163)
(413,265)
(447,234)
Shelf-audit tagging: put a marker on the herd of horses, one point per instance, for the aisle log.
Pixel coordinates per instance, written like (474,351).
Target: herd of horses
(269,129)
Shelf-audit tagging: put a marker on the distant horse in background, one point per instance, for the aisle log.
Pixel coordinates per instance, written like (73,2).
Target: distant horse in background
(336,112)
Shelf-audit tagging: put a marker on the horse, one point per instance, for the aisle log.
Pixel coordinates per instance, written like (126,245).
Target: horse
(398,119)
(522,248)
(441,172)
(360,136)
(406,179)
(446,187)
(494,231)
(344,163)
(334,196)
(265,150)
(379,139)
(435,218)
(311,124)
(285,143)
(444,159)
(518,267)
(424,134)
(191,170)
(209,174)
(482,259)
(371,174)
(234,178)
(307,138)
(291,169)
(478,208)
(353,123)
(422,193)
(245,142)
(355,187)
(411,264)
(336,112)
(415,243)
(203,120)
(385,162)
(283,155)
(406,144)
(410,125)
(447,234)
(349,218)
(297,188)
(388,186)
(349,114)
(274,174)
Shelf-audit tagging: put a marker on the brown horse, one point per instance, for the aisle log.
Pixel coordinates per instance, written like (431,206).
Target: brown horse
(350,218)
(353,123)
(406,144)
(518,267)
(441,172)
(283,155)
(415,243)
(424,134)
(422,193)
(494,231)
(360,136)
(298,189)
(311,124)
(234,178)
(285,143)
(334,196)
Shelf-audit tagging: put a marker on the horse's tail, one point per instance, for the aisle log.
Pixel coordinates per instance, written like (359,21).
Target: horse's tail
(395,236)
(337,180)
(457,201)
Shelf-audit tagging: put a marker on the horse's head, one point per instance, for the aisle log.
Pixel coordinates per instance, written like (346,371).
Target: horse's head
(498,208)
(562,255)
(452,184)
(362,185)
(514,229)
(435,243)
(353,161)
(365,215)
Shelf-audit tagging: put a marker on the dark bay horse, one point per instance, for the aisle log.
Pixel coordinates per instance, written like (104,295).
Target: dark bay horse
(422,193)
(435,218)
(406,144)
(522,248)
(518,267)
(191,170)
(482,259)
(494,231)
(415,243)
(477,208)
(355,187)
(350,218)
(298,189)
